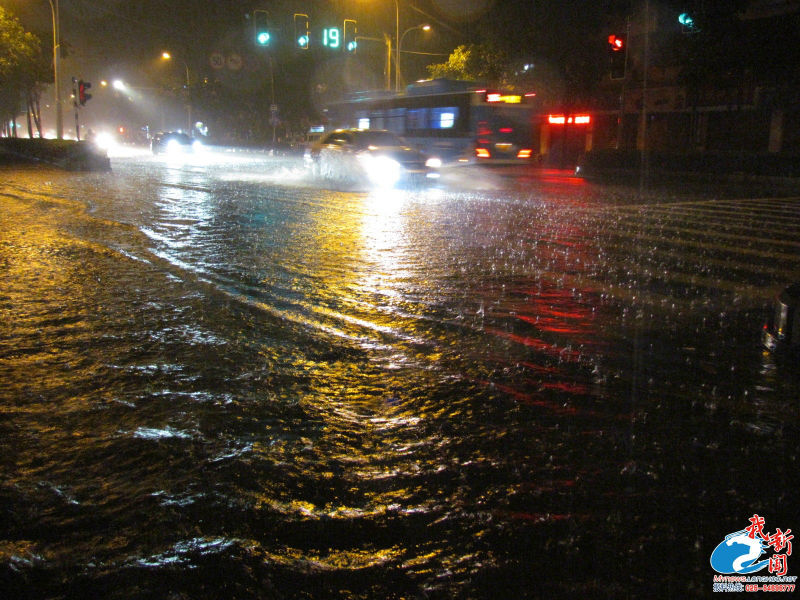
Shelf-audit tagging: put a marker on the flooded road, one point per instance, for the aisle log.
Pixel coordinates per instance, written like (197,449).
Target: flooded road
(218,380)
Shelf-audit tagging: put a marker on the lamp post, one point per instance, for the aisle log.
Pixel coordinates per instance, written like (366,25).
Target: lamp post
(167,56)
(399,45)
(56,52)
(397,50)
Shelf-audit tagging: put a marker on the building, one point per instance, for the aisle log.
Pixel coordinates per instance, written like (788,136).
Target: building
(713,82)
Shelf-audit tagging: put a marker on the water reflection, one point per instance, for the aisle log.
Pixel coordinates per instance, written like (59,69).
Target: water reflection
(338,395)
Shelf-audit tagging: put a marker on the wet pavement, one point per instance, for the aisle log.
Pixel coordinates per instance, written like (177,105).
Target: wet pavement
(219,379)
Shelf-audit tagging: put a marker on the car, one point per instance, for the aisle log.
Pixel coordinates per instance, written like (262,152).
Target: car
(782,330)
(173,142)
(375,157)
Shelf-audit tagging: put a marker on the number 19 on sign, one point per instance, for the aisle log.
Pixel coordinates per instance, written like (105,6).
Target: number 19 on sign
(331,37)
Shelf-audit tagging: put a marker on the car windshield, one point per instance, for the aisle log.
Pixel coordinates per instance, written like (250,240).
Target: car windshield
(363,139)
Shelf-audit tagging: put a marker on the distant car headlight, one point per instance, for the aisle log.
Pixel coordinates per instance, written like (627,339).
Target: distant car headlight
(105,141)
(380,170)
(197,146)
(433,162)
(174,147)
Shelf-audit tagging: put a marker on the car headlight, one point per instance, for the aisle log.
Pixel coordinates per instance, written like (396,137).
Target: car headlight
(174,147)
(433,162)
(104,140)
(380,170)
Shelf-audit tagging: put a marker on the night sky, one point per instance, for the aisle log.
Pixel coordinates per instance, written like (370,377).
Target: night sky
(101,34)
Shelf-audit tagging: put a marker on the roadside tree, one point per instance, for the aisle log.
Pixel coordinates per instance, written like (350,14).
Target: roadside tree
(21,68)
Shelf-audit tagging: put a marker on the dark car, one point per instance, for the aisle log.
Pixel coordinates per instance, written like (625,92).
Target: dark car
(369,156)
(172,142)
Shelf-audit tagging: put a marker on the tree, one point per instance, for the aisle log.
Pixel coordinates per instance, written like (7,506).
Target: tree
(20,69)
(474,62)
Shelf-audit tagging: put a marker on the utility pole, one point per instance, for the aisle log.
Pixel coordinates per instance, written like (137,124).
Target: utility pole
(387,39)
(56,58)
(644,173)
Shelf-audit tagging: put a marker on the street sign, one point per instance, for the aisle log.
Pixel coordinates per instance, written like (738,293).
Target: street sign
(234,62)
(217,60)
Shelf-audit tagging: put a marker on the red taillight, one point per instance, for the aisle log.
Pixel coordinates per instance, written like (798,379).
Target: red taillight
(482,153)
(524,153)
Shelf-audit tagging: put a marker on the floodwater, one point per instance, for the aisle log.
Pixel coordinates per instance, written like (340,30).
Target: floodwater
(219,381)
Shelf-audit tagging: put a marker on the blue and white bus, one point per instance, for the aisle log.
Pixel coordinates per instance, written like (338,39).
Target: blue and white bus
(454,120)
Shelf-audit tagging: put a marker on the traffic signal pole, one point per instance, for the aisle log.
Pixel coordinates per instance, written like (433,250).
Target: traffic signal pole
(387,39)
(621,119)
(75,92)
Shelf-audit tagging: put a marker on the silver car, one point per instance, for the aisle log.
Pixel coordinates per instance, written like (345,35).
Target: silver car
(374,157)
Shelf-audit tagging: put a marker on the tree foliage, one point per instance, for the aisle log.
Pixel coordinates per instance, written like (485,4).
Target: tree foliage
(20,66)
(474,62)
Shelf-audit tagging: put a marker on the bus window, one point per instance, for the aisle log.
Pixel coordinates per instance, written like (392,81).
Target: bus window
(337,138)
(444,117)
(416,118)
(395,120)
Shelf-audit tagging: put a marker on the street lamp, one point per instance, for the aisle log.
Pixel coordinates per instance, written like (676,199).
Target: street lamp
(167,56)
(397,50)
(56,52)
(399,44)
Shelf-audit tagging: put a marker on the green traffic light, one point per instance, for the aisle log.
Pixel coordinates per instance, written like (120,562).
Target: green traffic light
(262,38)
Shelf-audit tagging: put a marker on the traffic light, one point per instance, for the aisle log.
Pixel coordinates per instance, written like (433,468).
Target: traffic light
(350,31)
(617,49)
(687,23)
(83,96)
(262,29)
(302,35)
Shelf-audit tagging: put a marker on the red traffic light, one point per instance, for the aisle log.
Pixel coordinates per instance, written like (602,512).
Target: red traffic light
(616,43)
(83,95)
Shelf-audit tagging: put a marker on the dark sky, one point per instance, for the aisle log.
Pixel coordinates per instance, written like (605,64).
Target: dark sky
(107,34)
(107,39)
(121,30)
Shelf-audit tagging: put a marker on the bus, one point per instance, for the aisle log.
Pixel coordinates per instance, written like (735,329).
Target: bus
(456,121)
